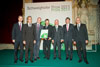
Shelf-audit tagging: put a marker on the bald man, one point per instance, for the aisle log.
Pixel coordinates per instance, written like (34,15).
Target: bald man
(38,39)
(57,38)
(81,39)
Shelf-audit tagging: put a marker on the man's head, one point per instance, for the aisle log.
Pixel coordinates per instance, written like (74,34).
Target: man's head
(78,20)
(39,20)
(20,18)
(29,19)
(47,22)
(67,20)
(56,22)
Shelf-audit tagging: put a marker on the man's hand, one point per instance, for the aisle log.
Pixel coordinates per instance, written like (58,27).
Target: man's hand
(45,39)
(53,41)
(49,38)
(74,43)
(86,41)
(34,41)
(24,42)
(13,41)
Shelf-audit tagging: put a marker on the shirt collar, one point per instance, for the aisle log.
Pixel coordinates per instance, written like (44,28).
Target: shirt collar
(19,22)
(67,24)
(56,26)
(79,24)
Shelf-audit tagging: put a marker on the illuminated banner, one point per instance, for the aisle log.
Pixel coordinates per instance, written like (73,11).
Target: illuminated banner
(50,10)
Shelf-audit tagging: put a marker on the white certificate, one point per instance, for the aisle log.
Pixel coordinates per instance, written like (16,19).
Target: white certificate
(44,33)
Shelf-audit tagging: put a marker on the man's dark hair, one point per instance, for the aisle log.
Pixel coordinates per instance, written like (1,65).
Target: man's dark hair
(67,18)
(46,20)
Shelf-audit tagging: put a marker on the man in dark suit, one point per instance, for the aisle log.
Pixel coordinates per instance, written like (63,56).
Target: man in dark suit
(47,41)
(68,31)
(29,38)
(57,38)
(38,39)
(81,39)
(17,39)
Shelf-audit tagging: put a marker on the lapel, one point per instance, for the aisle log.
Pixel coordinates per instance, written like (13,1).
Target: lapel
(22,26)
(48,27)
(65,28)
(54,29)
(79,27)
(76,27)
(69,27)
(27,26)
(58,27)
(18,26)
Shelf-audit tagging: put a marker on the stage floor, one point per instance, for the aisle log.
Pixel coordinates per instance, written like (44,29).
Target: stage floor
(7,60)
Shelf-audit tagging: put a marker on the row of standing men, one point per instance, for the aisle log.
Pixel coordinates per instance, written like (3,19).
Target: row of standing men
(29,35)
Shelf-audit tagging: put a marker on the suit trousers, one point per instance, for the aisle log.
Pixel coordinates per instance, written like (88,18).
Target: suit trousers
(81,47)
(36,49)
(69,49)
(57,44)
(16,45)
(29,45)
(46,48)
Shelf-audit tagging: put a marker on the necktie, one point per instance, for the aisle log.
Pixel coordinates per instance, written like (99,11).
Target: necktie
(67,27)
(56,28)
(78,27)
(38,27)
(20,26)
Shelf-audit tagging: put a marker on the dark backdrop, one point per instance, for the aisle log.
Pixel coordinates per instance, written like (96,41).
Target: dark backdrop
(10,9)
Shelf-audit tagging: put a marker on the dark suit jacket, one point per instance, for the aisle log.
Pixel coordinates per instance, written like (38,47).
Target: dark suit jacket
(49,30)
(16,33)
(82,34)
(29,33)
(38,33)
(57,35)
(68,35)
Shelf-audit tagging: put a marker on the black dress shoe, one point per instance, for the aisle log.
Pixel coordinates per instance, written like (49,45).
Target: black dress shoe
(86,62)
(32,61)
(70,59)
(66,58)
(80,61)
(15,61)
(54,58)
(35,59)
(48,58)
(26,62)
(21,60)
(38,57)
(59,58)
